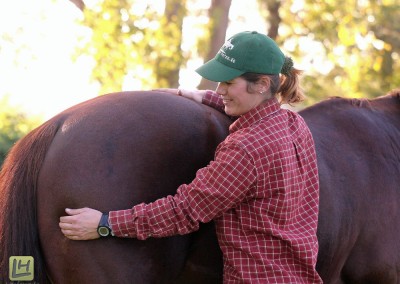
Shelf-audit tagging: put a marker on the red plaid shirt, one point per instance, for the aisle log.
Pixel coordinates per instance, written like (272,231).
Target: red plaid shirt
(262,192)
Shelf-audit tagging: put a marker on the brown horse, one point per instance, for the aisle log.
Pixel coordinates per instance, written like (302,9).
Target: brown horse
(109,153)
(358,151)
(119,150)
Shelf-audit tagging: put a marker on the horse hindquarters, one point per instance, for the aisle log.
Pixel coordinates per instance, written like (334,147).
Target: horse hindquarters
(114,152)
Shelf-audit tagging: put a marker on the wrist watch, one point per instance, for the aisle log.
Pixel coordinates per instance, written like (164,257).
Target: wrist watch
(104,229)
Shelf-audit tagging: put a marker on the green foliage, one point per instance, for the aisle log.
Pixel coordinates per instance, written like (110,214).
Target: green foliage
(356,54)
(359,41)
(133,38)
(169,40)
(111,40)
(14,124)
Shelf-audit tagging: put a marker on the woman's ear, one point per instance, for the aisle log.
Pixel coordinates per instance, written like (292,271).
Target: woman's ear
(264,84)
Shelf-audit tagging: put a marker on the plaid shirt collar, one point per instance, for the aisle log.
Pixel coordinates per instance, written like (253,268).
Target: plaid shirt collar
(262,111)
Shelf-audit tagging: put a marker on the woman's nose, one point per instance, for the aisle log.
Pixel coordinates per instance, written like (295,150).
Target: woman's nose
(220,90)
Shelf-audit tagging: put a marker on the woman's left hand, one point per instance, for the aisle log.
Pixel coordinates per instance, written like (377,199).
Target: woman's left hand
(195,95)
(80,224)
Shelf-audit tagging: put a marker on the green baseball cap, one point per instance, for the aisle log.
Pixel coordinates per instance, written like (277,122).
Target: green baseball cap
(244,52)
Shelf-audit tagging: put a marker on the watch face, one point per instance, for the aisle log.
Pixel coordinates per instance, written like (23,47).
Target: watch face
(103,231)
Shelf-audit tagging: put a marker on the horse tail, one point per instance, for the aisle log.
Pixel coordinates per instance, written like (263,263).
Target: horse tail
(18,184)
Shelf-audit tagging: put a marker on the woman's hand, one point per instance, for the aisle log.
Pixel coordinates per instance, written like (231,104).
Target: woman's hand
(196,95)
(80,224)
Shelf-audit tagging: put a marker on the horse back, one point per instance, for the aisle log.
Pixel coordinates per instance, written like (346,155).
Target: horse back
(358,152)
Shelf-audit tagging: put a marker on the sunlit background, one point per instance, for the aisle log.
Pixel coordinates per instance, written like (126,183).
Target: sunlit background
(41,73)
(38,40)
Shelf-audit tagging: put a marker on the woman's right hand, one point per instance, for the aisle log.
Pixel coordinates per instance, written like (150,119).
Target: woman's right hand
(196,95)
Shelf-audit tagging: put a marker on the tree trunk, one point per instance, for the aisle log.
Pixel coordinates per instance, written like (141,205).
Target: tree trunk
(78,3)
(273,18)
(219,18)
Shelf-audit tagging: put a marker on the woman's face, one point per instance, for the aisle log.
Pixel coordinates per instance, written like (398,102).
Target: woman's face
(237,99)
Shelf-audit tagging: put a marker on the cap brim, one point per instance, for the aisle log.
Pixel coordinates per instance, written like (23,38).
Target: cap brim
(215,71)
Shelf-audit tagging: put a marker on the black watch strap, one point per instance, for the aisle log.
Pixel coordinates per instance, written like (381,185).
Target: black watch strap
(104,229)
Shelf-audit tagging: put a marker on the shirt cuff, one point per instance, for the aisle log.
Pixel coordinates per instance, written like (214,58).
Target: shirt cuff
(121,223)
(209,97)
(213,100)
(130,223)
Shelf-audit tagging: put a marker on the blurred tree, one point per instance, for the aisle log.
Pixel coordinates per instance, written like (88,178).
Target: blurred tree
(269,9)
(137,41)
(356,56)
(166,54)
(357,53)
(14,124)
(218,14)
(79,3)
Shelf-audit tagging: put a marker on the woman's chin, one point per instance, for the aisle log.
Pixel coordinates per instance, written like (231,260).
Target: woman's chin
(230,112)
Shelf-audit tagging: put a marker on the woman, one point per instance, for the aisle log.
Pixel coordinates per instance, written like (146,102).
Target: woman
(262,187)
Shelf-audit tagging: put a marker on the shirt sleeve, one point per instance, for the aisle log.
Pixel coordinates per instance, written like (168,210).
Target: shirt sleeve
(220,186)
(213,100)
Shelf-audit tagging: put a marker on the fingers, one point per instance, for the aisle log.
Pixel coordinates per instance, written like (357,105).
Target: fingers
(80,224)
(71,213)
(65,225)
(79,235)
(170,91)
(195,95)
(75,211)
(69,233)
(69,230)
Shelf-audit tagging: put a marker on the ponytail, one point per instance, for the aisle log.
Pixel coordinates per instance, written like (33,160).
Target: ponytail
(290,90)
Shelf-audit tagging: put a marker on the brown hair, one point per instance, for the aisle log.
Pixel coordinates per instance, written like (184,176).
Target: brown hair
(287,86)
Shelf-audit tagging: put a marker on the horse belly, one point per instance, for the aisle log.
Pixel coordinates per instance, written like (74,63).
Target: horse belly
(359,219)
